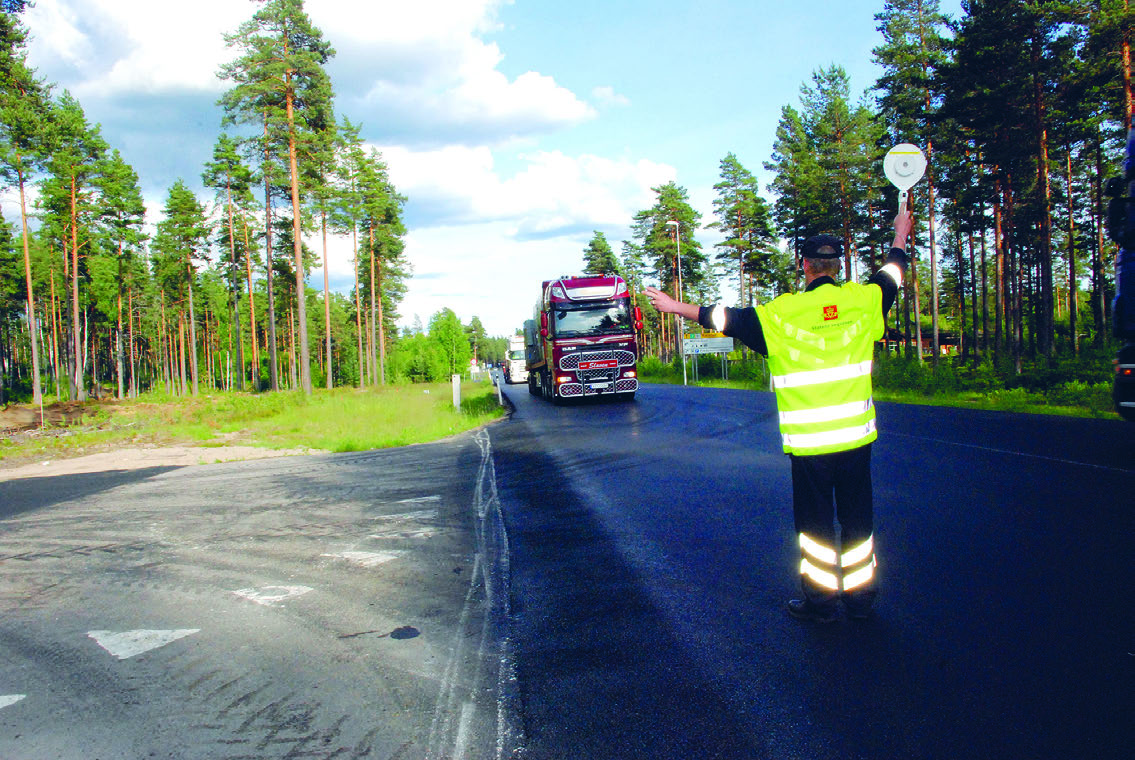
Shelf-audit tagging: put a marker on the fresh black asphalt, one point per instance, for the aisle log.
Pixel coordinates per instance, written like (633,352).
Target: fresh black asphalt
(652,551)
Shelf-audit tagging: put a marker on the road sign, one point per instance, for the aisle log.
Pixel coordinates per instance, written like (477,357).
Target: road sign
(695,346)
(904,165)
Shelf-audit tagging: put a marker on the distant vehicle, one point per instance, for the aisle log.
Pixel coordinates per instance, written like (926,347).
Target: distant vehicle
(582,340)
(515,370)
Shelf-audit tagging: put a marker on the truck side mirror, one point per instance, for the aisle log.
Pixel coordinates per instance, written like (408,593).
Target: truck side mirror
(637,315)
(543,332)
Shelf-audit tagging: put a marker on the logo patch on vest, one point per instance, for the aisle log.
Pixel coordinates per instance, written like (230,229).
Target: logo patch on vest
(831,312)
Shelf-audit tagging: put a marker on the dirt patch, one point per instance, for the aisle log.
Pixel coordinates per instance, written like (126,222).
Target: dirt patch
(23,423)
(138,458)
(16,419)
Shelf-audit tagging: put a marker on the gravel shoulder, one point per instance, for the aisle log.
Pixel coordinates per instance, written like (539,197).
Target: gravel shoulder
(142,457)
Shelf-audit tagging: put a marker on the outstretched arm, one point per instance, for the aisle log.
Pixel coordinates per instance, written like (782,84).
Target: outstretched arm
(668,305)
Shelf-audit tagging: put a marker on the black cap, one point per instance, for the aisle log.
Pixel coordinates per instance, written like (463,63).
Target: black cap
(823,247)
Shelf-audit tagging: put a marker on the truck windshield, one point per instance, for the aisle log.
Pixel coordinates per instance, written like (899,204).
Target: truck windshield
(595,318)
(516,356)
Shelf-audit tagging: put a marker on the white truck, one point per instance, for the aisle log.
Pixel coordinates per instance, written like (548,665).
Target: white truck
(515,366)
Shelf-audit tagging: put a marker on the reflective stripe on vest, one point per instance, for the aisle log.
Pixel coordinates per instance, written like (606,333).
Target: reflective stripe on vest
(820,346)
(827,438)
(825,413)
(815,376)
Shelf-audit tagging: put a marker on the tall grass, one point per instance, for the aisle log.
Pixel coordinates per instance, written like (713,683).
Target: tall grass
(344,419)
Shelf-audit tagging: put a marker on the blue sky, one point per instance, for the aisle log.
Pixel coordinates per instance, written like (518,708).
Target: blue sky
(515,128)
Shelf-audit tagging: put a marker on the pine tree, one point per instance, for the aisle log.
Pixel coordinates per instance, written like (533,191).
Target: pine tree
(124,213)
(77,154)
(744,216)
(181,237)
(666,236)
(282,65)
(912,53)
(598,258)
(232,180)
(24,113)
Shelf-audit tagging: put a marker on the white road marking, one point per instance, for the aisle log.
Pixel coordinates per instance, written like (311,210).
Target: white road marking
(127,644)
(1006,451)
(422,514)
(6,700)
(270,596)
(395,532)
(418,499)
(463,727)
(366,559)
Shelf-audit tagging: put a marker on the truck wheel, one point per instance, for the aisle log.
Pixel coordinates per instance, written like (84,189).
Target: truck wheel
(532,384)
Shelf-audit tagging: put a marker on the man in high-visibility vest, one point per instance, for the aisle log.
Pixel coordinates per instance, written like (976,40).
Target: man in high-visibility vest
(820,344)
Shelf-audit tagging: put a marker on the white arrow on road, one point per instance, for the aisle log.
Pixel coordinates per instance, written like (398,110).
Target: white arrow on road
(271,595)
(126,644)
(366,559)
(7,700)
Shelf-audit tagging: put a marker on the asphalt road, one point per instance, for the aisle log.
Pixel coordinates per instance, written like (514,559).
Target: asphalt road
(374,606)
(332,606)
(652,550)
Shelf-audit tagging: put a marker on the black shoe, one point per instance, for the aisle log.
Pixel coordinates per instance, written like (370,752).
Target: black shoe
(802,609)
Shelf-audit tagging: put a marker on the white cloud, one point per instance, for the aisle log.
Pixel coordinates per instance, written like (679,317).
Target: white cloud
(483,271)
(416,70)
(607,96)
(551,191)
(134,46)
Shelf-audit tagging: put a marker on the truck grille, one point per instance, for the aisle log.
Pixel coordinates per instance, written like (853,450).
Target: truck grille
(571,361)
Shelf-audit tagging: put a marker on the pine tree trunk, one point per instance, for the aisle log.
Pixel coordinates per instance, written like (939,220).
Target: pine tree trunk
(192,327)
(1046,325)
(297,240)
(327,301)
(358,298)
(255,371)
(1072,299)
(372,335)
(78,387)
(1126,53)
(37,392)
(233,289)
(130,340)
(55,320)
(273,352)
(118,334)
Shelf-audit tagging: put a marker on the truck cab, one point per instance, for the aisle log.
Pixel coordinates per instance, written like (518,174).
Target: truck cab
(583,339)
(515,366)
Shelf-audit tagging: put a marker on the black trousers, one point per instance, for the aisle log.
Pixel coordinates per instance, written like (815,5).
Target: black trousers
(826,488)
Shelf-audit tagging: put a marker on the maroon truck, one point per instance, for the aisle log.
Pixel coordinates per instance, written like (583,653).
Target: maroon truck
(582,339)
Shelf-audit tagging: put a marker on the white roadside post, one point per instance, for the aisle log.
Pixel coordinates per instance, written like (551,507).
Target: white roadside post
(497,374)
(457,392)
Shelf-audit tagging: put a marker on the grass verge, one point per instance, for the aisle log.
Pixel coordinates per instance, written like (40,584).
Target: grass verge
(344,419)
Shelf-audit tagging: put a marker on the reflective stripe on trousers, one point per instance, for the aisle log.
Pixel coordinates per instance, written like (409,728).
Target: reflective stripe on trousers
(819,564)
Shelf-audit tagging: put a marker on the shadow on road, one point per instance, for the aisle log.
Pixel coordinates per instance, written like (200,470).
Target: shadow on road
(29,494)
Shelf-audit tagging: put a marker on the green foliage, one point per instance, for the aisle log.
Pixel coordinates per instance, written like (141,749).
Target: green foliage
(598,258)
(749,251)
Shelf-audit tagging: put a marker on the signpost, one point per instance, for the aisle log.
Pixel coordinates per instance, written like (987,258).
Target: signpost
(708,343)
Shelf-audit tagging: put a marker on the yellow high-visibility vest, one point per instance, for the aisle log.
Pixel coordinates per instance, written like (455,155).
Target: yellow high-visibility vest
(820,350)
